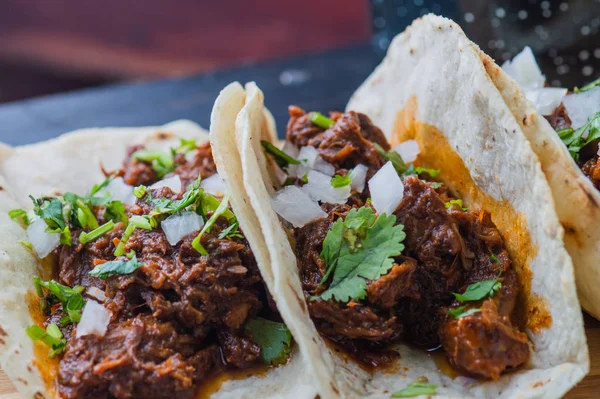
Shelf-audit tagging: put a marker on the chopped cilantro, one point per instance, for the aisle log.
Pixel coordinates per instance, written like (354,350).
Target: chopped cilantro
(142,222)
(84,237)
(574,140)
(231,231)
(162,162)
(360,247)
(416,389)
(588,86)
(431,172)
(70,298)
(341,181)
(50,210)
(139,191)
(119,266)
(460,311)
(494,258)
(435,186)
(304,178)
(395,158)
(274,339)
(321,120)
(65,236)
(457,202)
(220,211)
(186,146)
(51,336)
(479,290)
(281,158)
(20,215)
(26,244)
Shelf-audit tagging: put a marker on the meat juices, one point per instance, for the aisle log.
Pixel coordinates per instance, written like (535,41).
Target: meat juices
(445,251)
(176,320)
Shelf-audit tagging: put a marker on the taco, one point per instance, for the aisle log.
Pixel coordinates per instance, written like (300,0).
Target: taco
(431,263)
(144,285)
(564,131)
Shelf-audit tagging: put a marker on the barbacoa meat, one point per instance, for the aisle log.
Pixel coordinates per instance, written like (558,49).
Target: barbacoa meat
(446,250)
(177,319)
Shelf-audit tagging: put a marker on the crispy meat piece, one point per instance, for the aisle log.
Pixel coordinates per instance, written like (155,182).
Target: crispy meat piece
(135,172)
(299,128)
(398,283)
(592,170)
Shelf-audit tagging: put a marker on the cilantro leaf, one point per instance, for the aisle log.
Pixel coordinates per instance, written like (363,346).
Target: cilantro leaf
(574,140)
(220,211)
(20,215)
(494,258)
(460,311)
(281,158)
(274,339)
(360,247)
(341,181)
(395,158)
(321,120)
(231,231)
(588,86)
(70,298)
(119,266)
(50,210)
(51,336)
(162,162)
(84,237)
(457,202)
(140,191)
(416,389)
(479,290)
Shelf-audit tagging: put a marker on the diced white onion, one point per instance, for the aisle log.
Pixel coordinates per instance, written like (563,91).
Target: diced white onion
(408,150)
(386,189)
(94,320)
(43,243)
(290,149)
(295,206)
(319,188)
(214,185)
(173,182)
(546,99)
(180,225)
(358,176)
(118,190)
(580,106)
(524,70)
(96,292)
(310,159)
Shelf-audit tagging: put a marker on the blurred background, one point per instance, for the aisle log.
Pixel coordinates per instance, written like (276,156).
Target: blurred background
(50,46)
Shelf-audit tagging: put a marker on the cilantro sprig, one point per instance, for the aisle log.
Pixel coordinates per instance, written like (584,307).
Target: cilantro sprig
(419,170)
(455,203)
(232,231)
(274,339)
(281,158)
(71,299)
(393,157)
(461,311)
(51,336)
(221,210)
(115,267)
(574,139)
(479,290)
(164,162)
(321,120)
(416,388)
(360,247)
(588,86)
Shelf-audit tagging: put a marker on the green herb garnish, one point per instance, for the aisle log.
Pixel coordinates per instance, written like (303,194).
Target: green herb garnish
(393,157)
(220,211)
(281,158)
(140,191)
(360,247)
(51,336)
(274,339)
(164,162)
(321,120)
(574,140)
(231,231)
(20,215)
(416,389)
(588,86)
(460,311)
(70,298)
(341,181)
(107,269)
(479,290)
(457,202)
(142,222)
(84,237)
(494,258)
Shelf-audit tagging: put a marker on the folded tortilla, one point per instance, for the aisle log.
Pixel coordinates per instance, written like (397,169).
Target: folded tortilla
(72,163)
(577,200)
(432,87)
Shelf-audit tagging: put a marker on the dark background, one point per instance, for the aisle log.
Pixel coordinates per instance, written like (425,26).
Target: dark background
(50,46)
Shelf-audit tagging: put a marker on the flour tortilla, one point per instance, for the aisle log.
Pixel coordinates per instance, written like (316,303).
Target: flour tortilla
(71,163)
(577,200)
(434,65)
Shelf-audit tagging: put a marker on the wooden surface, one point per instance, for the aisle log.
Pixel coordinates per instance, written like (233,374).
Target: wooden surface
(322,82)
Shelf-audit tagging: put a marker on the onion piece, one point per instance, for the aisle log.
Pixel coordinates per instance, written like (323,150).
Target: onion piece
(295,206)
(290,149)
(214,185)
(319,188)
(386,189)
(580,106)
(43,243)
(546,99)
(310,159)
(118,190)
(358,177)
(408,150)
(180,225)
(96,293)
(525,71)
(173,182)
(94,320)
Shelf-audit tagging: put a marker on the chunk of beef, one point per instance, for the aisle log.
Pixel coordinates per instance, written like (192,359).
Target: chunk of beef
(486,343)
(299,128)
(239,351)
(202,164)
(386,291)
(136,172)
(591,169)
(136,358)
(559,119)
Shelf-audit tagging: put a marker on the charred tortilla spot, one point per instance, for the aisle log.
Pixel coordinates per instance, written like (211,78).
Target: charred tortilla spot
(22,381)
(39,395)
(3,333)
(335,389)
(593,200)
(164,135)
(300,300)
(1,188)
(412,51)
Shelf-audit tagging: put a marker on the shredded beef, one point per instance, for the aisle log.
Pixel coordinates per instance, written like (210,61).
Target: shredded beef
(559,119)
(177,319)
(592,170)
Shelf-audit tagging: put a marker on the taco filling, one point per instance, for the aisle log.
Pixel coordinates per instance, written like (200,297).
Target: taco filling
(386,254)
(154,288)
(575,115)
